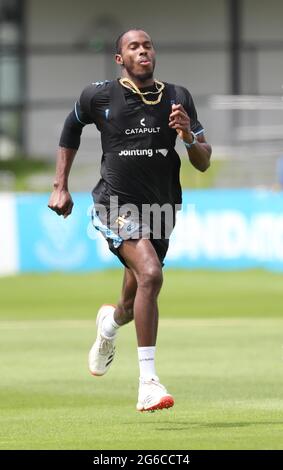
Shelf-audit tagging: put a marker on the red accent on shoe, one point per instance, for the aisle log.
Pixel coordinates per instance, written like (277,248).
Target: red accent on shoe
(95,374)
(165,402)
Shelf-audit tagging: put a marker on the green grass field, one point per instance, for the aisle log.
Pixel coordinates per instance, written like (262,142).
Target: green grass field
(220,353)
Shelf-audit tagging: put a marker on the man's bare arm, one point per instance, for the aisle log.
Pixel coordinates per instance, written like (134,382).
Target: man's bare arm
(199,153)
(60,200)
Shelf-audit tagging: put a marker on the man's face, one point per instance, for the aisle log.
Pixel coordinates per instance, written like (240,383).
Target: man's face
(137,55)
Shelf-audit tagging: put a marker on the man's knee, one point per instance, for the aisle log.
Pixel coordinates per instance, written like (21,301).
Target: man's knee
(151,277)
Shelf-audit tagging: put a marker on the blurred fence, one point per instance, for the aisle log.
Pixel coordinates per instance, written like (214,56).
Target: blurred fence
(217,229)
(249,130)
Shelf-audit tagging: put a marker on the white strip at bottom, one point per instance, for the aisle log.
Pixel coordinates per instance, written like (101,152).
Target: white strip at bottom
(9,258)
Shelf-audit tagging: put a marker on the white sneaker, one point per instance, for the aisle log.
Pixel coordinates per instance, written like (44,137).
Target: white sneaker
(102,352)
(153,396)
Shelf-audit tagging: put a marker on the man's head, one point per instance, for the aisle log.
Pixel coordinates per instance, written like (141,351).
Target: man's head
(135,53)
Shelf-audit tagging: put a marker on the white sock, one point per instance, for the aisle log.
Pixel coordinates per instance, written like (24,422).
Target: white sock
(109,327)
(146,362)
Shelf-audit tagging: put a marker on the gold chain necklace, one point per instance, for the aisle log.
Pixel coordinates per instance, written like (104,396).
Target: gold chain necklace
(127,83)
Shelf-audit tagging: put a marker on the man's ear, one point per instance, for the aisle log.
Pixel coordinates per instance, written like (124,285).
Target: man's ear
(119,59)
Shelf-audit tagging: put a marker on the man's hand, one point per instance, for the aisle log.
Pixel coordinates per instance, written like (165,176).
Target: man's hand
(61,202)
(180,121)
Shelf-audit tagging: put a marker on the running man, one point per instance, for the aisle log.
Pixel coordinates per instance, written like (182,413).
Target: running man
(139,119)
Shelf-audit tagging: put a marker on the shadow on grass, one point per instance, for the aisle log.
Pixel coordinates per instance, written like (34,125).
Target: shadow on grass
(213,425)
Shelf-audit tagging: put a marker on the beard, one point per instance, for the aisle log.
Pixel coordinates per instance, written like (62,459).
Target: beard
(142,76)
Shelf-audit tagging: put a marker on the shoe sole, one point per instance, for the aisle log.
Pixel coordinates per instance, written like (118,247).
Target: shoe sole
(165,402)
(95,373)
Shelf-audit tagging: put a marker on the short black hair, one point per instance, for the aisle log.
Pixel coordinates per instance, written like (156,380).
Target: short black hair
(118,43)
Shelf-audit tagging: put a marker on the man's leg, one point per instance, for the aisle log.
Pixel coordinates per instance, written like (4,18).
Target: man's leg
(109,319)
(143,261)
(124,311)
(141,286)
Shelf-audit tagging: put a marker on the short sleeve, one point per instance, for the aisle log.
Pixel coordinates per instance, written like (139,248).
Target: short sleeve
(85,105)
(93,101)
